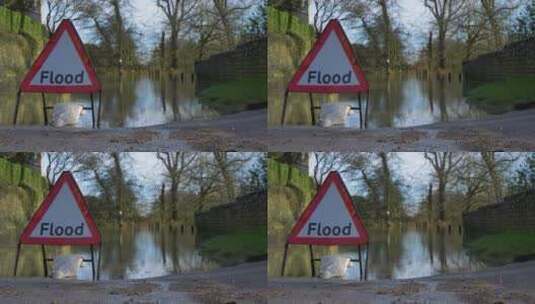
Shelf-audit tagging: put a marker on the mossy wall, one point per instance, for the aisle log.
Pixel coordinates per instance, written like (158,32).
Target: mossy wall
(10,21)
(18,48)
(290,190)
(289,41)
(22,189)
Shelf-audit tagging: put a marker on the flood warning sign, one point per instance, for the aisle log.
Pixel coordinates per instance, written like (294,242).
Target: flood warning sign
(62,218)
(63,66)
(331,66)
(330,218)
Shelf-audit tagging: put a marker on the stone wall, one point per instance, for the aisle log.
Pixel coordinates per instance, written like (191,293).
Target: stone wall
(248,212)
(515,59)
(515,213)
(247,60)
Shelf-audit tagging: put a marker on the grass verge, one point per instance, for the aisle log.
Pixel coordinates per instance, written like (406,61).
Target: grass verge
(505,247)
(502,96)
(236,95)
(238,247)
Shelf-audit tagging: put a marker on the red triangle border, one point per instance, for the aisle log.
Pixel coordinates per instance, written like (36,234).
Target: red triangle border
(333,25)
(65,25)
(66,177)
(333,177)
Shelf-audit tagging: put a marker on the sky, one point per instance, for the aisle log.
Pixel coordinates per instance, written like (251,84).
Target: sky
(415,173)
(148,171)
(150,19)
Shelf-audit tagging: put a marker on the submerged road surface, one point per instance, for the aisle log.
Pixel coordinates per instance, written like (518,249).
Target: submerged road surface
(513,283)
(247,131)
(244,283)
(247,283)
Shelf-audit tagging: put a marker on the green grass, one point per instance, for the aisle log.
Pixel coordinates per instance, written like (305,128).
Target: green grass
(236,248)
(502,96)
(503,248)
(236,94)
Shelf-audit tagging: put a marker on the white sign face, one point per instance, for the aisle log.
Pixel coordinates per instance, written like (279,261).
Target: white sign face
(330,219)
(63,219)
(63,66)
(331,66)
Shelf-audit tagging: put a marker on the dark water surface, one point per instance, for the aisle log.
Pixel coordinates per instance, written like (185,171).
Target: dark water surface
(128,100)
(401,252)
(130,252)
(400,100)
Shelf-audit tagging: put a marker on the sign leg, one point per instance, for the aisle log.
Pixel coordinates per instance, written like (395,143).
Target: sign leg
(17,259)
(285,102)
(366,113)
(99,106)
(45,266)
(17,107)
(312,112)
(92,109)
(366,262)
(360,265)
(284,258)
(360,111)
(312,261)
(99,260)
(45,116)
(92,262)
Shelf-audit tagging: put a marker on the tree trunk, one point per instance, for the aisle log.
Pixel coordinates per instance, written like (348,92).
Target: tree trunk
(119,184)
(173,47)
(442,46)
(386,184)
(174,194)
(441,197)
(119,32)
(490,162)
(387,35)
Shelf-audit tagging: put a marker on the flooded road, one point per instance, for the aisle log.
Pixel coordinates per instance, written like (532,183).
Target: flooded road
(400,100)
(397,253)
(128,100)
(131,252)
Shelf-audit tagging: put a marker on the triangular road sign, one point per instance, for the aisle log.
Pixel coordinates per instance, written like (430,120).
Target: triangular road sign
(330,218)
(330,67)
(63,218)
(63,66)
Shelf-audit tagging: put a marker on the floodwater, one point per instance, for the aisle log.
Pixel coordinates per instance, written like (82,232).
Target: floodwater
(400,252)
(128,100)
(400,100)
(130,252)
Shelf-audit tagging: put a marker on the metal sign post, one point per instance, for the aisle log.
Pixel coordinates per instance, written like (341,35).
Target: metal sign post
(330,219)
(62,67)
(62,219)
(330,67)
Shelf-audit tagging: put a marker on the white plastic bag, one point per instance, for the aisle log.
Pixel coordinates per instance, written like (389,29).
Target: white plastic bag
(334,266)
(66,266)
(334,114)
(66,114)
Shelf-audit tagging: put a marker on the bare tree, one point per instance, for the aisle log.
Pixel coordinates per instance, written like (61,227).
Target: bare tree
(178,166)
(205,177)
(495,12)
(57,10)
(444,164)
(227,13)
(177,13)
(325,162)
(227,165)
(204,27)
(445,12)
(325,10)
(471,178)
(58,162)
